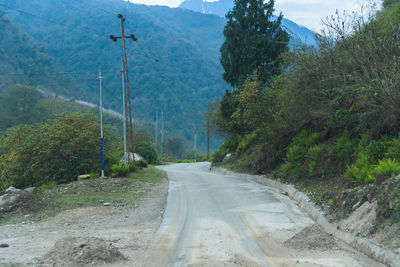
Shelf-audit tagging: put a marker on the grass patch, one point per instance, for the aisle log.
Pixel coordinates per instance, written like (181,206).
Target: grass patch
(119,192)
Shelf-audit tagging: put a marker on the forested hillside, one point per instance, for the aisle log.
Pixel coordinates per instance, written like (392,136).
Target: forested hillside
(330,118)
(185,76)
(21,60)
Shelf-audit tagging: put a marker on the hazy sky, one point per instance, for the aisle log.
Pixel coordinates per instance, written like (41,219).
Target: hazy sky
(304,12)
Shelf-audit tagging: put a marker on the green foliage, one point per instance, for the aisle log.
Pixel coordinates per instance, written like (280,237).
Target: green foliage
(376,160)
(255,106)
(362,171)
(23,62)
(387,168)
(302,155)
(218,156)
(393,149)
(94,175)
(388,3)
(147,151)
(174,147)
(185,161)
(174,36)
(314,156)
(19,104)
(344,149)
(347,90)
(47,186)
(377,149)
(200,157)
(141,164)
(250,28)
(58,150)
(229,146)
(121,170)
(245,142)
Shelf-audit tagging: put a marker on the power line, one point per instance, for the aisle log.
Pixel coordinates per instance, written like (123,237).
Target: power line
(54,73)
(152,59)
(50,21)
(84,12)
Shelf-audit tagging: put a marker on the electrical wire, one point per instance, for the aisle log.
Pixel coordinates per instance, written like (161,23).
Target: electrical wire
(48,20)
(152,59)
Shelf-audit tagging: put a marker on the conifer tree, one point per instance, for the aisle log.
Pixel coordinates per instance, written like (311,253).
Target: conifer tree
(253,42)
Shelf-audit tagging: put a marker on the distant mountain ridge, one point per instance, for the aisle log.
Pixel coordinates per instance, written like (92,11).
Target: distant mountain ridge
(221,7)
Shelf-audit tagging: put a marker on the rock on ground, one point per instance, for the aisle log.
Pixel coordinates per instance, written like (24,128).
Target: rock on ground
(13,200)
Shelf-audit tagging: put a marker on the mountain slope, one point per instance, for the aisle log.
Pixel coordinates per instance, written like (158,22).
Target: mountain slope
(21,61)
(221,7)
(186,43)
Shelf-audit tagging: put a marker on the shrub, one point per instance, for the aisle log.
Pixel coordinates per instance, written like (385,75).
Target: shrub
(218,156)
(141,163)
(185,161)
(393,149)
(377,149)
(94,175)
(302,148)
(147,151)
(314,156)
(344,149)
(231,144)
(228,146)
(361,171)
(58,150)
(387,168)
(122,170)
(245,142)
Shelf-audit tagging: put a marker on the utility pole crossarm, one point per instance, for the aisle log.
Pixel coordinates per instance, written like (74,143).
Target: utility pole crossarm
(115,38)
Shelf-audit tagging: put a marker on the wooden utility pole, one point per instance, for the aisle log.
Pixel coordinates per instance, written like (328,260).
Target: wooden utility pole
(127,95)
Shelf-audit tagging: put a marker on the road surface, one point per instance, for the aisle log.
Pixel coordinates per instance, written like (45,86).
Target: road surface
(218,220)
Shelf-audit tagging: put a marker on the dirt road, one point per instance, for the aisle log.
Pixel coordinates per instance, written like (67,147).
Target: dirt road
(217,220)
(209,220)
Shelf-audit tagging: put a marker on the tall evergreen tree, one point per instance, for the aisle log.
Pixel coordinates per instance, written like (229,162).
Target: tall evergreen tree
(253,42)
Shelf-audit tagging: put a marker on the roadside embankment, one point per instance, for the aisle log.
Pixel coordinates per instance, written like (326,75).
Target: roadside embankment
(362,244)
(104,221)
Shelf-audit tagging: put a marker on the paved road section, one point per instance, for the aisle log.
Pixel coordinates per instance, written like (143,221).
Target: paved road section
(219,220)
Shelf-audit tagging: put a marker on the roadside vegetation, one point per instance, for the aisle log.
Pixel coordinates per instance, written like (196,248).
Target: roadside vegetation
(51,199)
(328,118)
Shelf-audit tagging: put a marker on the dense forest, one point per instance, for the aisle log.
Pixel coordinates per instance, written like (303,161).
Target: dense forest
(21,60)
(331,111)
(44,140)
(173,66)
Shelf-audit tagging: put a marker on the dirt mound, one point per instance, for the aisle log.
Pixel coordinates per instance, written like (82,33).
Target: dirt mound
(361,221)
(13,201)
(81,251)
(311,237)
